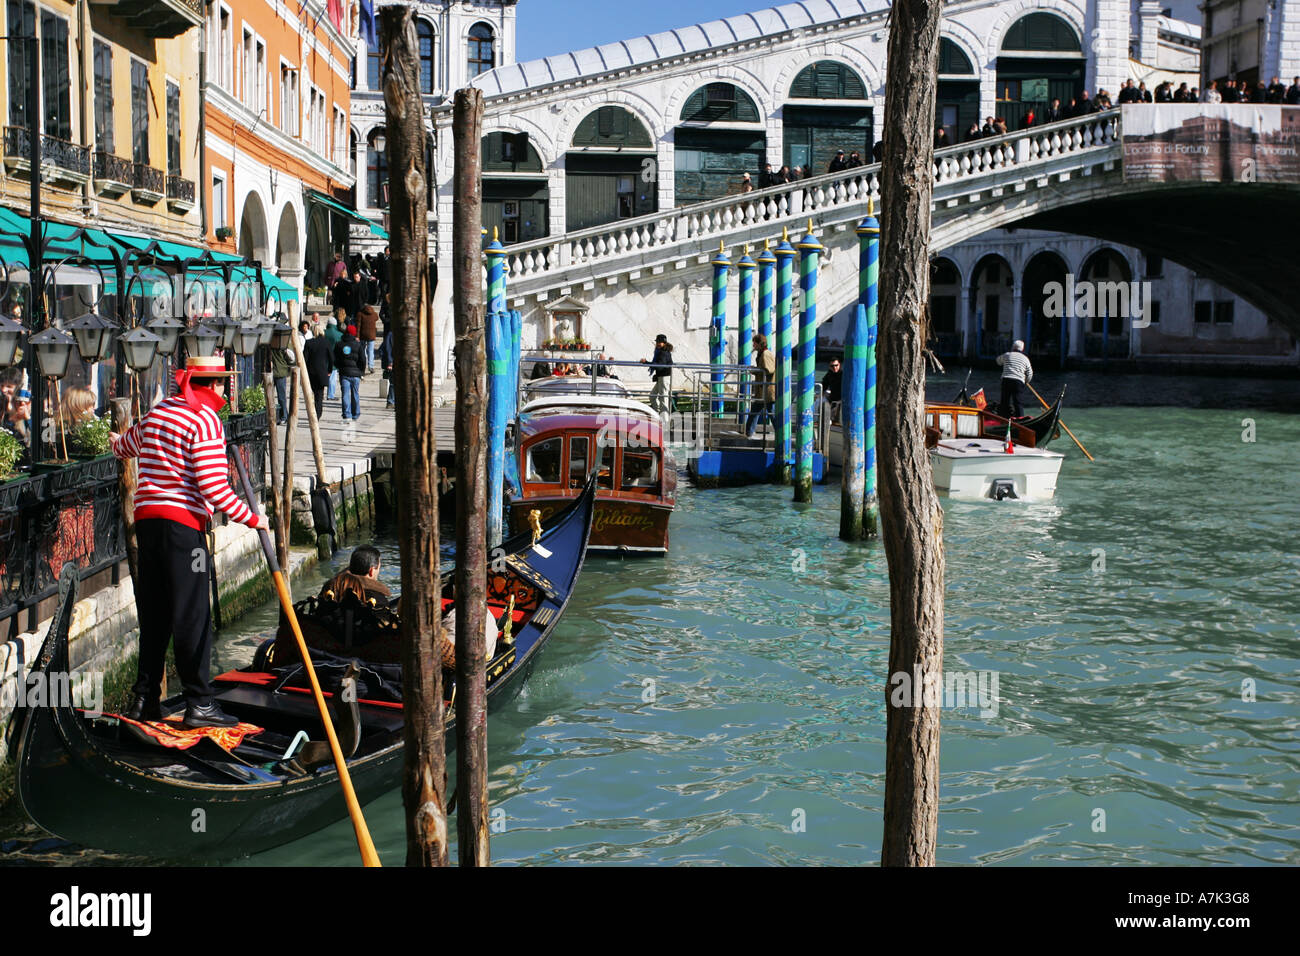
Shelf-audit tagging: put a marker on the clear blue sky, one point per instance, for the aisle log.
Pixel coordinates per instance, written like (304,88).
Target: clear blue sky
(547,27)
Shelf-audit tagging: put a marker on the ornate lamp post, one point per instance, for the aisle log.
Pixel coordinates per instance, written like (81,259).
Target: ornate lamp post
(10,332)
(200,340)
(53,348)
(168,331)
(94,335)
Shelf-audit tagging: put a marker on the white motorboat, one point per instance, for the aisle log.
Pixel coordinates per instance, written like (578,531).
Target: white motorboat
(984,468)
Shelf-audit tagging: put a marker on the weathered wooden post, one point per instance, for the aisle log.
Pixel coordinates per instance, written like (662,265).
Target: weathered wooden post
(273,457)
(745,345)
(766,291)
(286,495)
(912,522)
(868,295)
(471,485)
(852,469)
(810,250)
(718,327)
(425,771)
(324,541)
(785,295)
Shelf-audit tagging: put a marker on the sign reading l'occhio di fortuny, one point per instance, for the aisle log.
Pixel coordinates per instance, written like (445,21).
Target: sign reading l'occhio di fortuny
(1211,142)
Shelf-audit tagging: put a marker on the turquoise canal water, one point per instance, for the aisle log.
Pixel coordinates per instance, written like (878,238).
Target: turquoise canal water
(726,704)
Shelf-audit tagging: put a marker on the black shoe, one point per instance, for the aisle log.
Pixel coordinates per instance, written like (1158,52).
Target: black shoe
(144,708)
(210,715)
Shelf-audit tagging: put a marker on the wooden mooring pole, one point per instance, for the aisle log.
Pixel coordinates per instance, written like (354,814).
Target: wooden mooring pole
(471,484)
(424,778)
(324,542)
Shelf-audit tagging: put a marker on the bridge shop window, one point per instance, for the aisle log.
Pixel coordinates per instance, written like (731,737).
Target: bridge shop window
(611,172)
(516,196)
(1041,59)
(813,134)
(720,103)
(957,100)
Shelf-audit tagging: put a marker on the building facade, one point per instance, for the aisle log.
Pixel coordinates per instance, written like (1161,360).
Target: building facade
(119,104)
(616,132)
(278,172)
(458,41)
(1250,40)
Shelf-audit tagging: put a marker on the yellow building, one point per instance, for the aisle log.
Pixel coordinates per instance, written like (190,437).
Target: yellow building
(119,101)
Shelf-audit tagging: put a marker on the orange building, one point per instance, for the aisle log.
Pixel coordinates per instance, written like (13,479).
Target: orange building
(277,169)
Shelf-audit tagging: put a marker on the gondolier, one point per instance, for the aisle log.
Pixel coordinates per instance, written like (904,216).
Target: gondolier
(184,477)
(1016,373)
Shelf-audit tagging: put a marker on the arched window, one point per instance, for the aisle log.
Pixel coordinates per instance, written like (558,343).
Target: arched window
(424,35)
(352,153)
(720,102)
(828,80)
(611,126)
(481,55)
(1041,33)
(377,170)
(952,60)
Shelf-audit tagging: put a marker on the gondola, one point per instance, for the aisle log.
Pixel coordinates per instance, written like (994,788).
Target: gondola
(1043,426)
(93,780)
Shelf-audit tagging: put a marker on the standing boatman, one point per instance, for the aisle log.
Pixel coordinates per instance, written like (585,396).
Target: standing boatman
(184,476)
(1016,371)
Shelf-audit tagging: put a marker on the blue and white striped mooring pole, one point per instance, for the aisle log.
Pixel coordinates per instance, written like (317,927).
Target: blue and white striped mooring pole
(868,297)
(766,292)
(718,326)
(784,301)
(853,427)
(810,250)
(745,345)
(500,397)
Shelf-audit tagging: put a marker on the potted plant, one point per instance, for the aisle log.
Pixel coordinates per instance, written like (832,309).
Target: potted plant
(11,451)
(224,233)
(90,439)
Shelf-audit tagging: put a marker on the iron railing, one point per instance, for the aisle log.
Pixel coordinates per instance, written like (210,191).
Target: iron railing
(73,512)
(58,152)
(148,178)
(180,188)
(111,168)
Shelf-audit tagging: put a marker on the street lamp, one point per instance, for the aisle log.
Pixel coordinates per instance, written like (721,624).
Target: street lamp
(10,331)
(94,336)
(139,348)
(264,329)
(248,338)
(168,331)
(200,340)
(227,328)
(280,335)
(53,351)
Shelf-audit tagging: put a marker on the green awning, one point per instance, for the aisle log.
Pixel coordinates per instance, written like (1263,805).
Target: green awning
(323,200)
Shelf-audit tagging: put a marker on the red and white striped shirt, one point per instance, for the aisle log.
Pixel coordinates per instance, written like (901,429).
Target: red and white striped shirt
(184,475)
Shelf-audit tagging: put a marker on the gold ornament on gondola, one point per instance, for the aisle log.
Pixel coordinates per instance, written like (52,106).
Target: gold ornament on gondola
(507,635)
(535,522)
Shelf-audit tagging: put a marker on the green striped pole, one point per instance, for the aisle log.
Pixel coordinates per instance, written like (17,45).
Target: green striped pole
(718,328)
(785,269)
(745,345)
(496,259)
(500,395)
(766,291)
(810,250)
(869,295)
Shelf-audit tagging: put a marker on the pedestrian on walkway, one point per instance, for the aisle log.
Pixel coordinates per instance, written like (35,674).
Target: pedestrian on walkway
(320,368)
(184,477)
(334,335)
(351,363)
(386,363)
(280,366)
(367,325)
(661,370)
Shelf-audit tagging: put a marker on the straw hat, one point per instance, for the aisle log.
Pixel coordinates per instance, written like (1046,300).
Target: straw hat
(207,366)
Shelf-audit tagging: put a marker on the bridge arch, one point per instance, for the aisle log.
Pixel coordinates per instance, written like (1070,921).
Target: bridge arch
(1044,273)
(814,128)
(1027,79)
(850,56)
(516,188)
(992,290)
(606,181)
(744,80)
(947,308)
(1009,14)
(647,113)
(957,94)
(720,136)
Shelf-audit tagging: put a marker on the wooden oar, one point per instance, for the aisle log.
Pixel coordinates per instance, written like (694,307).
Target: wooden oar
(367,847)
(1034,392)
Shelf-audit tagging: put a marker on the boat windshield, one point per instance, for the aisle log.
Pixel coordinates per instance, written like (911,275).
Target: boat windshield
(640,469)
(544,461)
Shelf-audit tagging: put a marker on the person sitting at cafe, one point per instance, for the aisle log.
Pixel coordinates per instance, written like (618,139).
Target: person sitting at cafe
(18,416)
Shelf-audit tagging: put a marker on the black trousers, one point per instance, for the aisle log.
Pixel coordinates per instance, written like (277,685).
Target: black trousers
(318,396)
(174,604)
(1011,406)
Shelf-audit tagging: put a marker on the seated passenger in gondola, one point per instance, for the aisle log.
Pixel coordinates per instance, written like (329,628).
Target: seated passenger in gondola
(360,579)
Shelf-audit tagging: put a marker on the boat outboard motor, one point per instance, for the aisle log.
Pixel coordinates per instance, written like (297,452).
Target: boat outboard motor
(1003,488)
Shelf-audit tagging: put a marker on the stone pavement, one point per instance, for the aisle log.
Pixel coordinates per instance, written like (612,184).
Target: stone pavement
(350,446)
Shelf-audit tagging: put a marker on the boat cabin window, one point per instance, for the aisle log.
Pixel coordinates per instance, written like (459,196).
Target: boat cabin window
(544,461)
(577,461)
(945,425)
(640,468)
(604,465)
(968,426)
